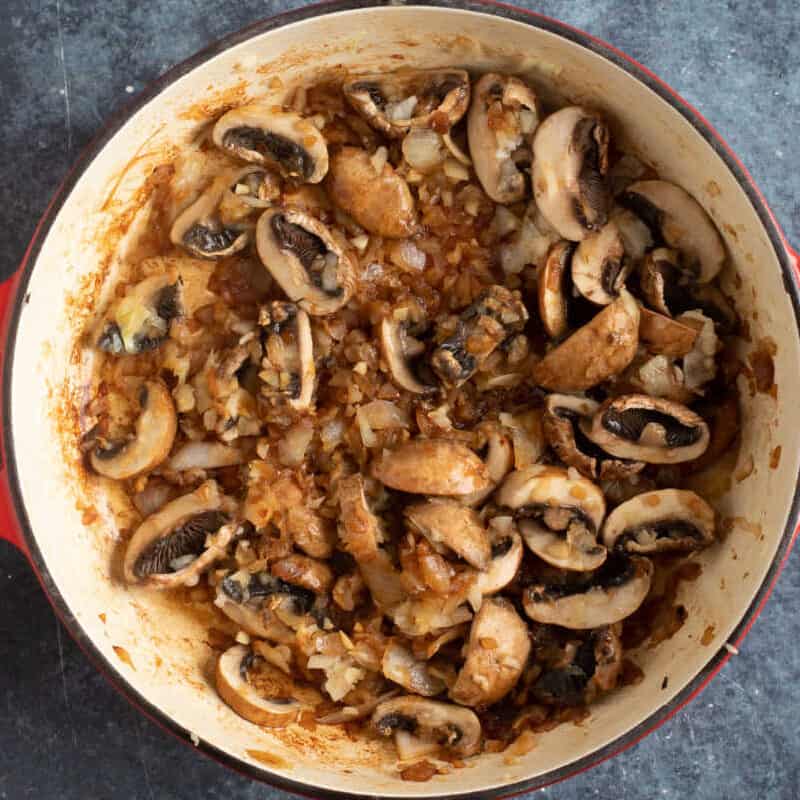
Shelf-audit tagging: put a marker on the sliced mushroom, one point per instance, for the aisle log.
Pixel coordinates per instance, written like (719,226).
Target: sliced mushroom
(497,652)
(506,544)
(502,119)
(570,160)
(553,289)
(664,283)
(558,516)
(155,432)
(665,336)
(174,546)
(359,529)
(266,135)
(448,524)
(561,426)
(604,597)
(599,265)
(397,101)
(254,689)
(369,189)
(400,666)
(495,315)
(303,571)
(432,466)
(287,368)
(201,229)
(206,455)
(636,236)
(680,222)
(597,351)
(648,429)
(402,350)
(306,260)
(667,520)
(499,461)
(444,726)
(140,320)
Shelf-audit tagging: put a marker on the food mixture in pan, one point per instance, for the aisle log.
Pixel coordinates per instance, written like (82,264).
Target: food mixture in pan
(408,385)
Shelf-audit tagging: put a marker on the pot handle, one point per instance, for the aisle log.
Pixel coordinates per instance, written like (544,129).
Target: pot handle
(9,524)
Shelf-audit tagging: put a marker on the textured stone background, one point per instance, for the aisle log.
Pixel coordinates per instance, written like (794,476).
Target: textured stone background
(65,66)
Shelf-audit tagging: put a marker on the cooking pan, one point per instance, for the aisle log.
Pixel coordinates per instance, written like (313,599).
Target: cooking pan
(150,646)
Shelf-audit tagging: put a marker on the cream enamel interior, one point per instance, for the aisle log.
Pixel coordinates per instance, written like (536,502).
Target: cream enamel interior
(169,665)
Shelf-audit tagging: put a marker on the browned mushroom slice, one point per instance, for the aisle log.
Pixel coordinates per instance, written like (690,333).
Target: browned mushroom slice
(308,573)
(570,160)
(667,520)
(599,350)
(403,351)
(553,280)
(394,102)
(599,265)
(679,221)
(266,135)
(497,652)
(561,426)
(499,461)
(420,725)
(507,551)
(399,665)
(502,119)
(665,336)
(307,262)
(432,466)
(558,516)
(604,597)
(367,187)
(174,546)
(648,429)
(494,316)
(448,524)
(155,432)
(359,528)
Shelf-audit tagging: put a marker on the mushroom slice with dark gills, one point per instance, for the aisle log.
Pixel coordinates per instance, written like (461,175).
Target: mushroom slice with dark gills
(595,352)
(204,230)
(648,429)
(258,691)
(450,526)
(140,320)
(497,651)
(422,726)
(502,120)
(678,221)
(285,140)
(403,351)
(494,316)
(560,423)
(306,260)
(433,467)
(600,266)
(592,600)
(667,520)
(174,546)
(155,432)
(287,367)
(507,551)
(593,667)
(368,188)
(395,102)
(559,516)
(570,160)
(553,289)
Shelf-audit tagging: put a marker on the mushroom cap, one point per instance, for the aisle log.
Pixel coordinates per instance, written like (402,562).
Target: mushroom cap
(599,350)
(502,118)
(453,728)
(395,352)
(649,429)
(607,596)
(380,202)
(276,709)
(677,219)
(660,521)
(507,551)
(156,427)
(570,160)
(552,289)
(291,244)
(448,523)
(432,466)
(599,266)
(265,134)
(497,652)
(383,99)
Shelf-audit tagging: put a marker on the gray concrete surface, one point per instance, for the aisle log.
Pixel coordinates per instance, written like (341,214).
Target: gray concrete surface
(65,66)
